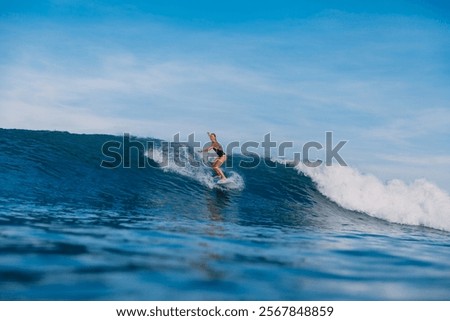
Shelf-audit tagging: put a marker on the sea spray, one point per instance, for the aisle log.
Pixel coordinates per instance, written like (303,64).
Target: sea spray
(419,203)
(200,173)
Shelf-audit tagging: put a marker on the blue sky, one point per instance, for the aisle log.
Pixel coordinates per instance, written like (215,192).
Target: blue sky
(376,74)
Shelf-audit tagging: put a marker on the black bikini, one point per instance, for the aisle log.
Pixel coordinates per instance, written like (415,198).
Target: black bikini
(219,152)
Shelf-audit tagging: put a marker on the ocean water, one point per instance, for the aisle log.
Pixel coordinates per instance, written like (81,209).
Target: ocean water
(73,230)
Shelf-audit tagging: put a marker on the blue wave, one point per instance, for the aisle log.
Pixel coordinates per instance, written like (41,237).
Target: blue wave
(59,168)
(72,229)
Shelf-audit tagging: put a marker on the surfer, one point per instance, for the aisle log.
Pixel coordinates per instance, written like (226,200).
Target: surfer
(221,156)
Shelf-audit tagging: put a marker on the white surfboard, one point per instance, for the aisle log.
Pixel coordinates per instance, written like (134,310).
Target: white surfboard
(228,183)
(232,182)
(223,181)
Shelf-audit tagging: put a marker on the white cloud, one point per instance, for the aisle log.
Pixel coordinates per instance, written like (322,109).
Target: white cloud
(414,160)
(423,123)
(22,115)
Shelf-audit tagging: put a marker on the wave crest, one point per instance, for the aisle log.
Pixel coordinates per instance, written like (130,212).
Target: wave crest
(419,203)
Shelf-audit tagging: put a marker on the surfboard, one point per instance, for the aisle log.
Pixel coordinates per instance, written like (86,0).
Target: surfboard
(223,182)
(232,182)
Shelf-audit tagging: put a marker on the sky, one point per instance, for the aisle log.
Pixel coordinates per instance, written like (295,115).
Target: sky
(375,74)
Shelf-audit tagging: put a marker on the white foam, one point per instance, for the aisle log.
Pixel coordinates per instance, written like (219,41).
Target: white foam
(202,174)
(234,181)
(419,203)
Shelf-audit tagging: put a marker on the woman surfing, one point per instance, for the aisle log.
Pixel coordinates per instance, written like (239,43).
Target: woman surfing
(221,156)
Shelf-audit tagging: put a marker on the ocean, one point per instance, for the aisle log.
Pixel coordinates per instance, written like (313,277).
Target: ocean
(71,229)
